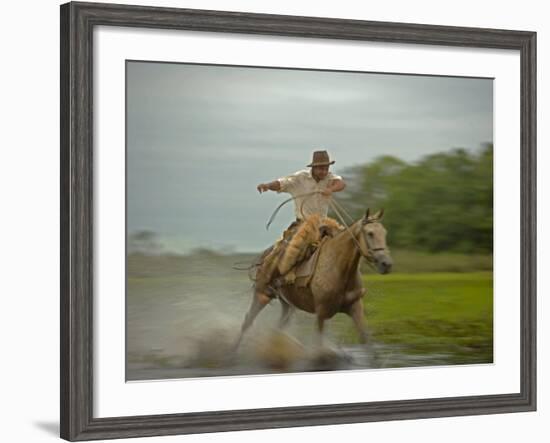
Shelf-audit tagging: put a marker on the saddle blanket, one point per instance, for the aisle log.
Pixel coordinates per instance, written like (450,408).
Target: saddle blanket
(305,270)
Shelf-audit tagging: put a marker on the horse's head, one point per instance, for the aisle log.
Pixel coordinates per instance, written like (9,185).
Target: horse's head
(372,239)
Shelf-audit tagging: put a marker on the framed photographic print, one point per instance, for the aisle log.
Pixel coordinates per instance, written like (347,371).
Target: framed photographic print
(393,166)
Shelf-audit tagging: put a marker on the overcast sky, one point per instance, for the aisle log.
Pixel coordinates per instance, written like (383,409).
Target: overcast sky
(200,138)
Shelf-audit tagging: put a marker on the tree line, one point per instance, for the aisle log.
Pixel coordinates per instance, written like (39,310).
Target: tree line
(444,202)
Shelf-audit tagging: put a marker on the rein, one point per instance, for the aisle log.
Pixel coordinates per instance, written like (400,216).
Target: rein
(336,207)
(368,256)
(333,206)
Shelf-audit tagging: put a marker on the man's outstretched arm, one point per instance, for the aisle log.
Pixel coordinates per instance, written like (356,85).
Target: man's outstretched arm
(272,186)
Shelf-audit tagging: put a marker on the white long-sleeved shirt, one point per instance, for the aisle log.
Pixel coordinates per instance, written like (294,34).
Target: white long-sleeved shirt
(300,185)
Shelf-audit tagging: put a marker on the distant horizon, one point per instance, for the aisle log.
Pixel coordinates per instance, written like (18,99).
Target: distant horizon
(227,249)
(201,137)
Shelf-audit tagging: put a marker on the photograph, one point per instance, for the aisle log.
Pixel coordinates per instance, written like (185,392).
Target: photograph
(273,221)
(283,220)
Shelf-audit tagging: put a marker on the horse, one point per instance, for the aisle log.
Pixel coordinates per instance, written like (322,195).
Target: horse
(336,284)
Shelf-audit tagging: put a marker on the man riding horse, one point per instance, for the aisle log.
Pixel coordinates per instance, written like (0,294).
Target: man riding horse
(330,282)
(311,190)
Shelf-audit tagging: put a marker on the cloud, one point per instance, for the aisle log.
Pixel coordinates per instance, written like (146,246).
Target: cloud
(201,137)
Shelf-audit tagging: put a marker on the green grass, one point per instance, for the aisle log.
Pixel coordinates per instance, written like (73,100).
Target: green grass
(447,313)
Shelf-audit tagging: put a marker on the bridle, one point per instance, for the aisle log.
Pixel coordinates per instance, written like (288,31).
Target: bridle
(369,254)
(370,250)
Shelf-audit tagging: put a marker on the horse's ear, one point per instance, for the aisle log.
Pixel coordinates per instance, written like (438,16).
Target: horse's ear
(379,214)
(367,212)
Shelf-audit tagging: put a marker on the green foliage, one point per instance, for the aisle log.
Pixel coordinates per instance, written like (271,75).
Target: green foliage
(144,242)
(444,202)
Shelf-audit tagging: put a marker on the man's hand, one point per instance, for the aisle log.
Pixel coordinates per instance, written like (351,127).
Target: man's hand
(335,185)
(273,186)
(327,192)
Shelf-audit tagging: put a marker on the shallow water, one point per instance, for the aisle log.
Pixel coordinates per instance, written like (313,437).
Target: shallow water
(344,358)
(183,322)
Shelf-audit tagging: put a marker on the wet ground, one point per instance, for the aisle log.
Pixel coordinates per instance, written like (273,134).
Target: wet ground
(183,323)
(376,356)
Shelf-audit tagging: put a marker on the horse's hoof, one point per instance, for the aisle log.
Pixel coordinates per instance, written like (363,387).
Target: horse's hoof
(280,351)
(329,359)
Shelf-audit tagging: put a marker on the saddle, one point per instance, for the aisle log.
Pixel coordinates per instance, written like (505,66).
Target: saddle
(299,259)
(304,270)
(293,259)
(308,234)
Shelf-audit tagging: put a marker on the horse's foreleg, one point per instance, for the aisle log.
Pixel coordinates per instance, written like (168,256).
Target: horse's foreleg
(320,328)
(259,301)
(355,311)
(286,312)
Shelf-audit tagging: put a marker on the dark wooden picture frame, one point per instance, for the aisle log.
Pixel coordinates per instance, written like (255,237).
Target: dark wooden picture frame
(77,23)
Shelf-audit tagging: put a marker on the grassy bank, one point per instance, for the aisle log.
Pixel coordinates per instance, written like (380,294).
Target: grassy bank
(404,262)
(433,313)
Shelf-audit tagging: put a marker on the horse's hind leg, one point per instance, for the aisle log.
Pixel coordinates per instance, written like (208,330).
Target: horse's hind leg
(259,301)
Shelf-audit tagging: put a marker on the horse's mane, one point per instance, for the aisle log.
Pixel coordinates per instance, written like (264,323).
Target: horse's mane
(345,229)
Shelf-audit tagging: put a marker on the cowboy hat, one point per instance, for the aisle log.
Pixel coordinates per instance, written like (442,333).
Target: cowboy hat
(320,158)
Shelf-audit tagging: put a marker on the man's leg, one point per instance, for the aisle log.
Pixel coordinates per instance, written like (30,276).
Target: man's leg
(268,269)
